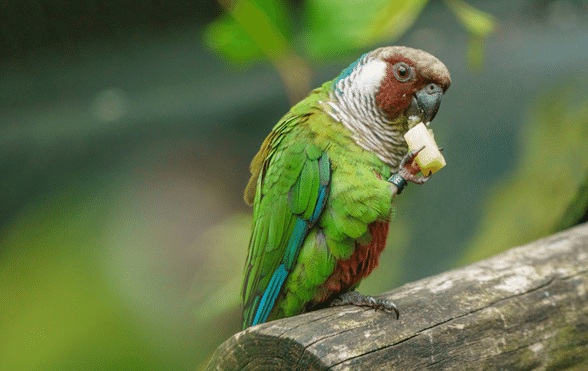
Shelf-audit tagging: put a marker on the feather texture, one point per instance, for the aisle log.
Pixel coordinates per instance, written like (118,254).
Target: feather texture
(321,202)
(304,221)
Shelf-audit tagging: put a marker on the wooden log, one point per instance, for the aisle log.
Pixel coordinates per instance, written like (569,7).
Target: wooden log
(524,309)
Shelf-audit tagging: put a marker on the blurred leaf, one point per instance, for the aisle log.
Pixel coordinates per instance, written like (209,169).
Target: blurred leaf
(478,24)
(528,203)
(336,27)
(250,30)
(475,21)
(475,53)
(259,28)
(230,40)
(393,21)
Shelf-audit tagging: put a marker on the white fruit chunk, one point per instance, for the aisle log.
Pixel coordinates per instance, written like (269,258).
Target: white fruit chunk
(430,160)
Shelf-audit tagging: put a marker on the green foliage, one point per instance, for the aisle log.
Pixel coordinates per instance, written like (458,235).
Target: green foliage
(230,40)
(336,27)
(475,21)
(251,29)
(528,203)
(478,24)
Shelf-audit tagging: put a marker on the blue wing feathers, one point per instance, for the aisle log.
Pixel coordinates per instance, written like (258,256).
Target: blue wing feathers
(295,242)
(324,177)
(270,295)
(320,205)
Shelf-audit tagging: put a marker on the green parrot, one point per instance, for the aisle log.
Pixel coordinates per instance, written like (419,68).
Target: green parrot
(323,183)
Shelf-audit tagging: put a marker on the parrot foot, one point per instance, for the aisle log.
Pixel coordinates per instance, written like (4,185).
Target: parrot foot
(355,298)
(409,168)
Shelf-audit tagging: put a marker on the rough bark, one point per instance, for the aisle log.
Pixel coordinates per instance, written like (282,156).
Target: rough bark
(525,309)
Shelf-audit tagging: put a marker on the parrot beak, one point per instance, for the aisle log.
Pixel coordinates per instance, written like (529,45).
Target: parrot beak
(425,103)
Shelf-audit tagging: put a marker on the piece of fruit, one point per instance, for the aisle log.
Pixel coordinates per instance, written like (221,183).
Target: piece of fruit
(430,160)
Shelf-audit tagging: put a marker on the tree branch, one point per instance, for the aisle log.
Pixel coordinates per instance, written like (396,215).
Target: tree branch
(526,308)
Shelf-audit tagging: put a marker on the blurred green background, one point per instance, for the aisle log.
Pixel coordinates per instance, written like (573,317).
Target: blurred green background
(127,128)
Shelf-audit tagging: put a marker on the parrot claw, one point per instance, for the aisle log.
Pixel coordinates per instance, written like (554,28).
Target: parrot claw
(355,298)
(409,168)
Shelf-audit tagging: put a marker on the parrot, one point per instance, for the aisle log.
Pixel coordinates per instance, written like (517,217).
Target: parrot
(323,183)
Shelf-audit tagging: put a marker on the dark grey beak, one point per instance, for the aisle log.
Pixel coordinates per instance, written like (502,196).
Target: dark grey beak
(426,102)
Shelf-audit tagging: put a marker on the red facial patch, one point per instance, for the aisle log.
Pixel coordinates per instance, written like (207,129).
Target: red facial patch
(394,96)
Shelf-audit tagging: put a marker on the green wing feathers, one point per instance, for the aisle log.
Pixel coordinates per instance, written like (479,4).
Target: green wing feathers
(315,192)
(291,185)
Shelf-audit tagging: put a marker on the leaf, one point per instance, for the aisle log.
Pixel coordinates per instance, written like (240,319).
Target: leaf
(228,38)
(250,30)
(479,25)
(475,53)
(394,19)
(335,27)
(475,21)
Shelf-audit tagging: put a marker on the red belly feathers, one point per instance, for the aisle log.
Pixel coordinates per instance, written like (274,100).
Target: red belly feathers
(365,258)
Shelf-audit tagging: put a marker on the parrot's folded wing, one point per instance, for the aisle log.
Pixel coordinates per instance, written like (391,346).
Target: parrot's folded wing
(292,186)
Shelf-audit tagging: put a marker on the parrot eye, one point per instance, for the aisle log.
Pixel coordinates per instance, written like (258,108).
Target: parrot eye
(402,72)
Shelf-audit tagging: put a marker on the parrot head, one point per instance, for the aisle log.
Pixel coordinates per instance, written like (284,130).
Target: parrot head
(413,83)
(377,94)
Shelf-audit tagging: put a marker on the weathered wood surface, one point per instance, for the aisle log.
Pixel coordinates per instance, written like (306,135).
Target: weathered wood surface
(525,309)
